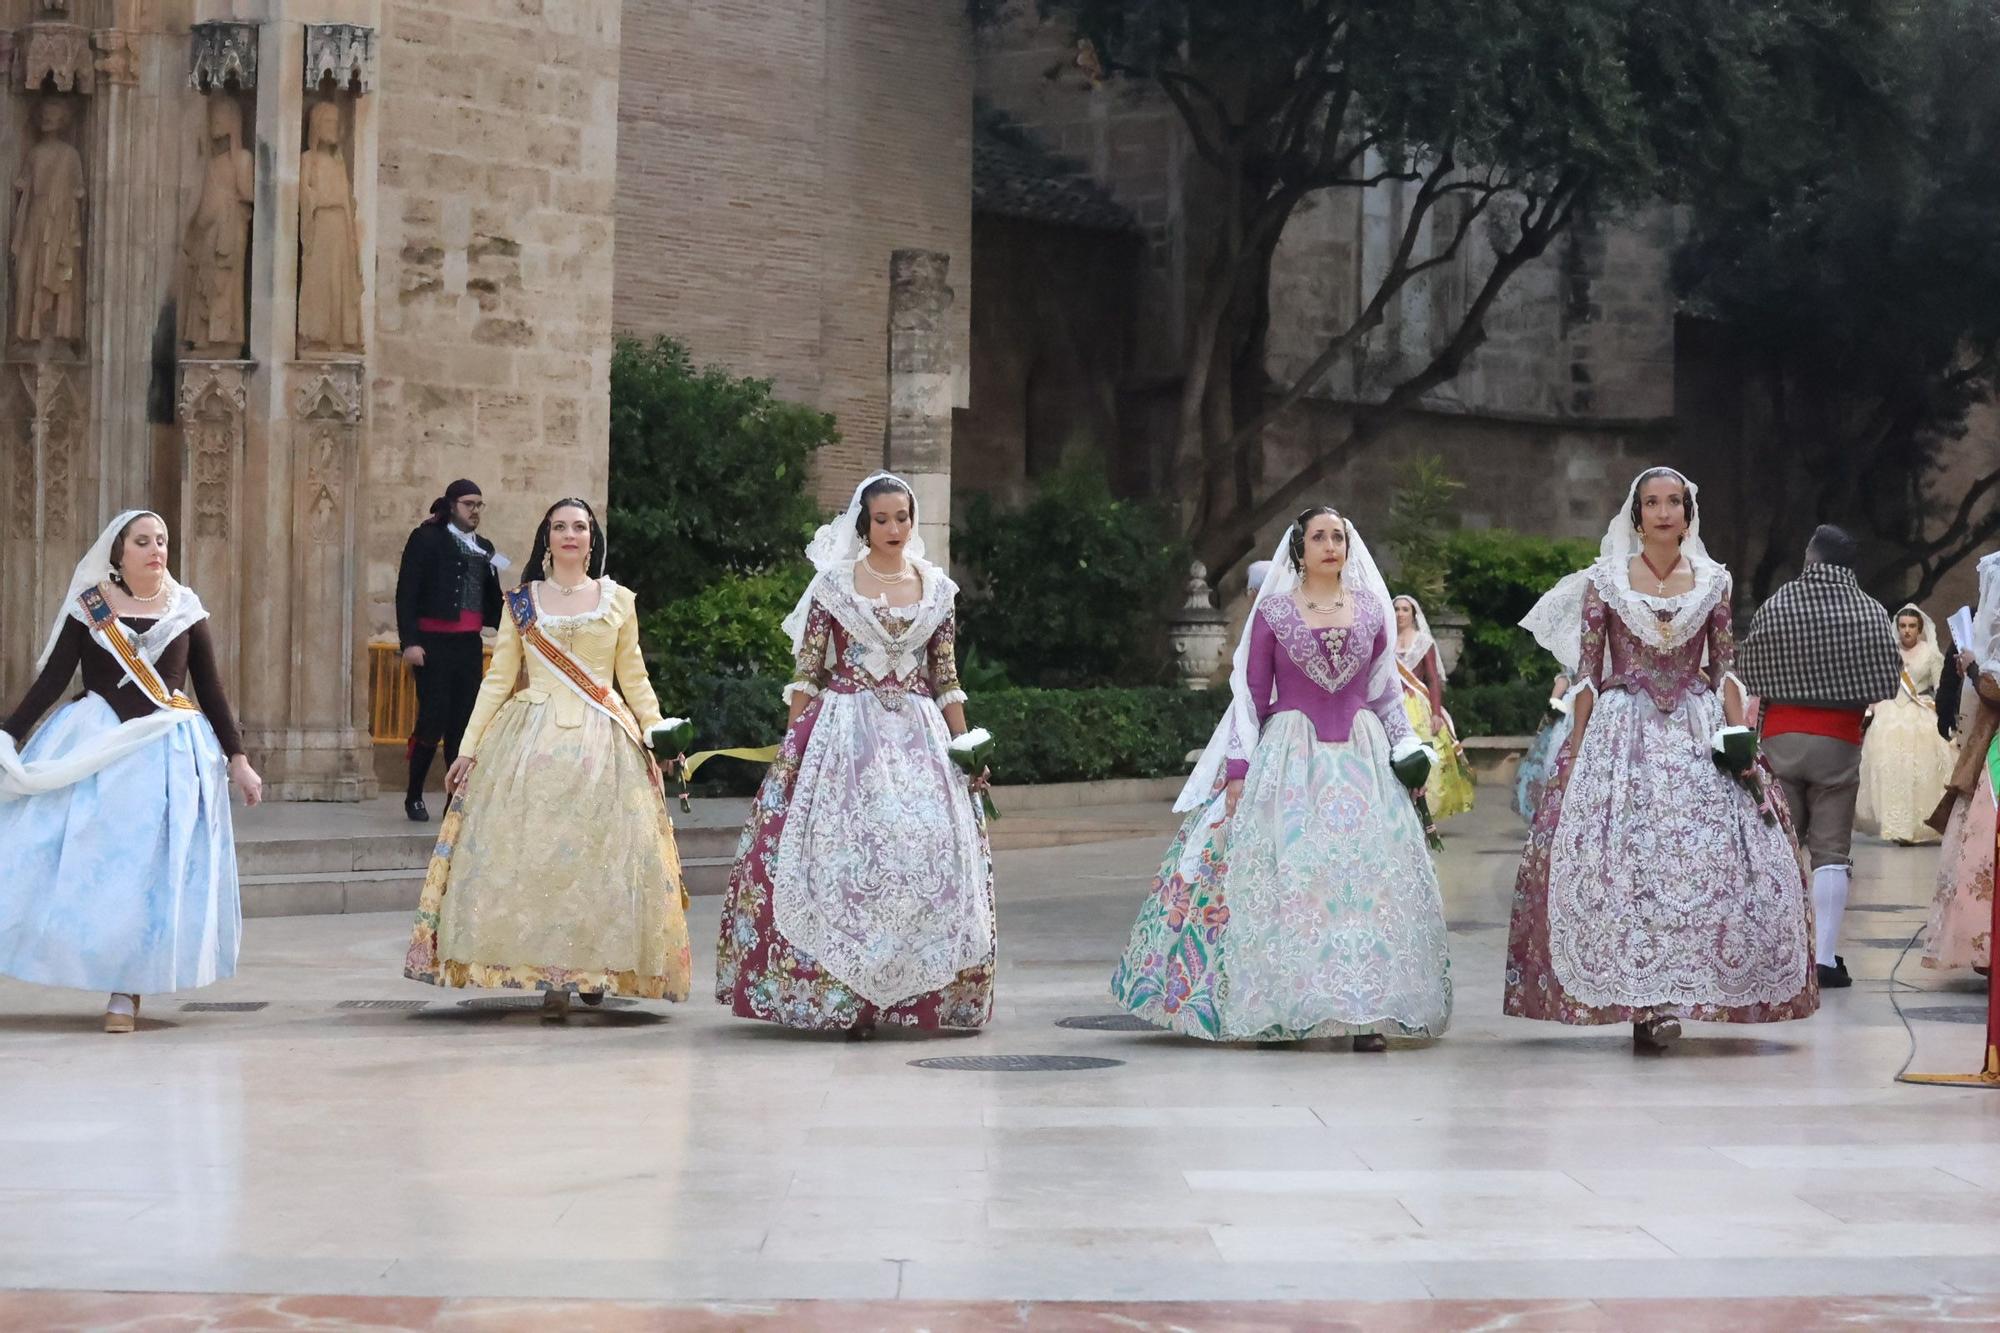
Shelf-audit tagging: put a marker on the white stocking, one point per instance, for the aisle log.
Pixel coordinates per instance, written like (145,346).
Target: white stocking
(1829,891)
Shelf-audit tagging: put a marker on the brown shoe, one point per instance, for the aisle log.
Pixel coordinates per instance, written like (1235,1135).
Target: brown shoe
(1371,1043)
(114,1022)
(555,1006)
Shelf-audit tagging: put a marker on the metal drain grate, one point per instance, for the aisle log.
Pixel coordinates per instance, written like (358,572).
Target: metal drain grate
(1107,1023)
(1883,907)
(504,1003)
(1015,1064)
(1948,1013)
(383,1004)
(224,1006)
(1469,926)
(1882,941)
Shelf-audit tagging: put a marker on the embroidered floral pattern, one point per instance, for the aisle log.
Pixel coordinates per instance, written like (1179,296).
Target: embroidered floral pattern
(1650,884)
(862,890)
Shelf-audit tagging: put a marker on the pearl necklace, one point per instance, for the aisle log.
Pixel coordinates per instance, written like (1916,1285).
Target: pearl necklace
(889,580)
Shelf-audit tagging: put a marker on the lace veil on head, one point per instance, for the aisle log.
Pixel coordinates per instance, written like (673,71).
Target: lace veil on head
(180,607)
(838,544)
(1556,620)
(1237,731)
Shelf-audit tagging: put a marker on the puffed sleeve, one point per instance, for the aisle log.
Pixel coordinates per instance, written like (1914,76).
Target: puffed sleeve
(1590,661)
(1722,646)
(630,665)
(1387,703)
(496,688)
(809,670)
(49,685)
(943,654)
(1260,672)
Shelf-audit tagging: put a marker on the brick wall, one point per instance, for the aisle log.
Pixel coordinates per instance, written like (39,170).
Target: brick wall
(494,265)
(772,154)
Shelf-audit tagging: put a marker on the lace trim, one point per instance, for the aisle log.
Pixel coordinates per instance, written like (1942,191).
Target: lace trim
(950,697)
(1640,611)
(799,689)
(607,599)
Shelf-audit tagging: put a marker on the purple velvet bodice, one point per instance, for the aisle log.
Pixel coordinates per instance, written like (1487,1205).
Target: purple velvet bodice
(1322,673)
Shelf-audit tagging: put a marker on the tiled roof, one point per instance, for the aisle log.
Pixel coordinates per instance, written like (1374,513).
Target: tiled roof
(1013,176)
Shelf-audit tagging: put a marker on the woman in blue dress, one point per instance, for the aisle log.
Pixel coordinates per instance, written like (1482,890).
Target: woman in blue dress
(121,863)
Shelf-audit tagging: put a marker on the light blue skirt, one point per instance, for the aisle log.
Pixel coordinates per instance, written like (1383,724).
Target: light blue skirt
(125,881)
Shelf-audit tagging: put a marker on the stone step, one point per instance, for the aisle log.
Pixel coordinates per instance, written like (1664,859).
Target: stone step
(322,894)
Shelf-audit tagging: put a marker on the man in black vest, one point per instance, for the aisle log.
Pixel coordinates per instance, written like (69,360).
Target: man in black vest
(447,590)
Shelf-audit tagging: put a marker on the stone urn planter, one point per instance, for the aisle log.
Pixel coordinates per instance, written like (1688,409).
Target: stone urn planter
(1199,631)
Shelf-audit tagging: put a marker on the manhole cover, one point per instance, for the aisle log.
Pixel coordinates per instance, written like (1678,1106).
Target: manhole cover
(1016,1064)
(224,1006)
(1107,1023)
(383,1004)
(1882,941)
(1882,907)
(507,1002)
(1948,1013)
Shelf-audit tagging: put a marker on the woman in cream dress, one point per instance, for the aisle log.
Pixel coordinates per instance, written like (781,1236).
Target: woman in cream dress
(556,868)
(1905,763)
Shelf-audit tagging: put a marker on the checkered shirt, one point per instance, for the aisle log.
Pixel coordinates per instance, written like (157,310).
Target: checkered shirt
(1823,642)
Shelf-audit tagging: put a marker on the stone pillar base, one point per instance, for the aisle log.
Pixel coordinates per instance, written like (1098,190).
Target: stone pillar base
(312,763)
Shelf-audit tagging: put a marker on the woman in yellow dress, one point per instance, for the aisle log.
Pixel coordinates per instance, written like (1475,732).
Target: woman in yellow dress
(1905,763)
(555,867)
(1449,791)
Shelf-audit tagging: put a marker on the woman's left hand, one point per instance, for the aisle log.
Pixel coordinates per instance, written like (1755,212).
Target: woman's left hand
(246,780)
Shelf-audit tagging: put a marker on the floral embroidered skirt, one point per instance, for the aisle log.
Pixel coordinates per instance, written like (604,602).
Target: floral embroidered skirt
(1960,933)
(125,880)
(1905,765)
(556,868)
(1449,791)
(1652,885)
(1314,912)
(865,837)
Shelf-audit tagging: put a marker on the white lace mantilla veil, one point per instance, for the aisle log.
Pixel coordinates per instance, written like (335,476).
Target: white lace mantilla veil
(837,545)
(1238,728)
(181,607)
(1423,642)
(1932,652)
(1556,621)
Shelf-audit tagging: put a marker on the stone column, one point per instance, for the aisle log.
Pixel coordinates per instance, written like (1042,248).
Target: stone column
(212,544)
(46,465)
(314,315)
(922,364)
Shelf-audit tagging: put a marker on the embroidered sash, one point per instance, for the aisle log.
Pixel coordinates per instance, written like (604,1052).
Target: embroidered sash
(521,604)
(111,636)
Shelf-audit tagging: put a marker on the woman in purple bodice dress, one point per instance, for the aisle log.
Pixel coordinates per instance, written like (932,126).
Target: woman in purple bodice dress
(1655,887)
(1298,899)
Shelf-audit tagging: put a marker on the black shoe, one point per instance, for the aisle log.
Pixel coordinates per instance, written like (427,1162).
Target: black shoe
(417,811)
(593,998)
(1835,977)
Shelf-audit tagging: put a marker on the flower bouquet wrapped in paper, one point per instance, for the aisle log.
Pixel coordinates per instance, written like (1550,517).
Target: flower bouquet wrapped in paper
(970,752)
(1736,754)
(669,739)
(1412,761)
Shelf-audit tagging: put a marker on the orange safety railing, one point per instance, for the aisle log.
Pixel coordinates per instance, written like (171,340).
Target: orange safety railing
(392,693)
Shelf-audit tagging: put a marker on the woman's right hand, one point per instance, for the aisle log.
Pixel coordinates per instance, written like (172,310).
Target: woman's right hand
(1232,794)
(460,770)
(414,655)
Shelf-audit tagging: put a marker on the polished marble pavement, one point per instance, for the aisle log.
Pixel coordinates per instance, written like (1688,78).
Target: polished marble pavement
(669,1153)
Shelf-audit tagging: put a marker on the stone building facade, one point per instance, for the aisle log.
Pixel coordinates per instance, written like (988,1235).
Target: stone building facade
(323,257)
(773,157)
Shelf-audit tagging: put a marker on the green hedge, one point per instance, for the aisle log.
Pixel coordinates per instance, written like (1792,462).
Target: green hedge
(1514,708)
(1041,735)
(1085,735)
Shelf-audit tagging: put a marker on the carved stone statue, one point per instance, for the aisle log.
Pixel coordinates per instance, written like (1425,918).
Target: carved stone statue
(47,247)
(329,240)
(214,294)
